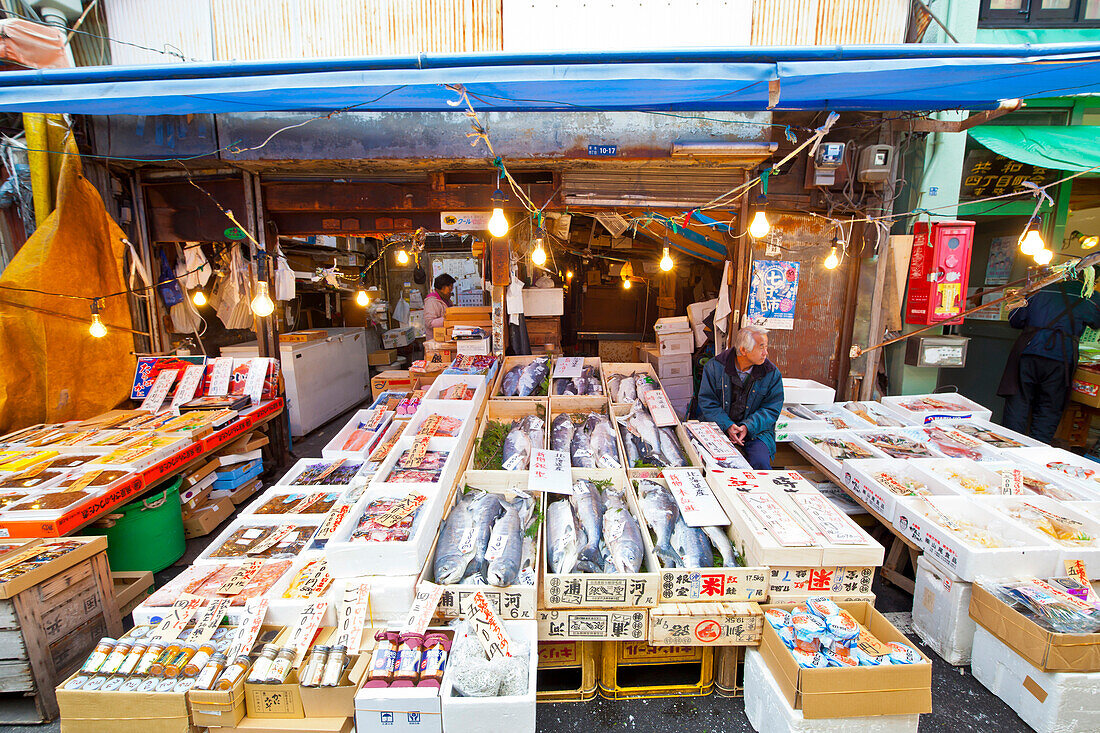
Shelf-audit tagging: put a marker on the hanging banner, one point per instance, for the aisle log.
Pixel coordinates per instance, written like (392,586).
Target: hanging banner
(773,294)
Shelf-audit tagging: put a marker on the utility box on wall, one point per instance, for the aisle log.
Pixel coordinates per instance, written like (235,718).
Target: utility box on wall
(939,271)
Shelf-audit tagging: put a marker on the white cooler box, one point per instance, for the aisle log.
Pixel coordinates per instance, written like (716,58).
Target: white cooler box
(941,612)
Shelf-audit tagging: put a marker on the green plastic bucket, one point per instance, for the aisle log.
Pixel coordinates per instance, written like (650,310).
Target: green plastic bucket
(149,536)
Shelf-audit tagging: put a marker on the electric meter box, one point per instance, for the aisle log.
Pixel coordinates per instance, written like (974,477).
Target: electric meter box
(936,351)
(939,271)
(875,162)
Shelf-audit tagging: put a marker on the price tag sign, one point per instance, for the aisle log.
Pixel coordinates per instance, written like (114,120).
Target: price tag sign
(272,539)
(657,402)
(713,439)
(332,521)
(550,471)
(1076,570)
(429,426)
(487,627)
(777,520)
(567,367)
(380,455)
(698,505)
(208,621)
(173,624)
(241,578)
(837,528)
(308,623)
(415,455)
(220,371)
(351,616)
(465,361)
(1012,482)
(402,509)
(254,382)
(307,502)
(192,378)
(316,580)
(254,611)
(375,421)
(320,479)
(159,391)
(423,607)
(456,391)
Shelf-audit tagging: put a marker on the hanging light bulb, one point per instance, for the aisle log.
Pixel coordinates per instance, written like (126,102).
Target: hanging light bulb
(626,284)
(666,261)
(402,257)
(199,298)
(538,255)
(1090,241)
(760,226)
(97,328)
(498,224)
(262,305)
(1032,241)
(832,260)
(1044,256)
(568,274)
(361,298)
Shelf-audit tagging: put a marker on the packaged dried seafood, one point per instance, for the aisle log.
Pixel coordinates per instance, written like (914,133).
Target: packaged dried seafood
(299,503)
(902,485)
(339,472)
(897,444)
(380,521)
(1062,529)
(838,448)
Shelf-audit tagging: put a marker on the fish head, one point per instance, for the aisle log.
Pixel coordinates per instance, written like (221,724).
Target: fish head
(451,570)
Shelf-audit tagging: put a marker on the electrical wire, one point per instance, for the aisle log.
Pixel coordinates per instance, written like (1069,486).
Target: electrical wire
(176,53)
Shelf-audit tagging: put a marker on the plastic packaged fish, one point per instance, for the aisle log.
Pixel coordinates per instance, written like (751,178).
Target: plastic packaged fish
(837,448)
(1062,529)
(902,485)
(897,445)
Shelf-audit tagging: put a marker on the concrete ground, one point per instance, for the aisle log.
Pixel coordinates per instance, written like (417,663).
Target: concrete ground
(960,703)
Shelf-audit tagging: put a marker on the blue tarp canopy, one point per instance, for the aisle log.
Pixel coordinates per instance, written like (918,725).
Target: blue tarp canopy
(917,77)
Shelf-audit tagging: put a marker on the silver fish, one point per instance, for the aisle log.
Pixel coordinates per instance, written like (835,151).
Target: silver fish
(564,387)
(580,385)
(561,433)
(622,533)
(464,536)
(563,538)
(721,543)
(643,426)
(588,505)
(528,572)
(517,447)
(602,436)
(532,376)
(628,389)
(670,447)
(644,383)
(595,387)
(692,545)
(536,430)
(510,383)
(630,444)
(580,449)
(504,553)
(661,512)
(613,385)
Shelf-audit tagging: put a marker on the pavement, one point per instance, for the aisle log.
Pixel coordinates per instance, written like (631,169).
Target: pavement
(960,704)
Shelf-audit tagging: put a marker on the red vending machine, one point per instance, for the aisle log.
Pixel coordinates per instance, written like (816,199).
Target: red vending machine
(939,271)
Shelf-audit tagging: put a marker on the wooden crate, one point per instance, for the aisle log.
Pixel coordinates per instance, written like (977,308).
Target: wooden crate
(631,670)
(729,667)
(568,671)
(131,588)
(49,628)
(544,332)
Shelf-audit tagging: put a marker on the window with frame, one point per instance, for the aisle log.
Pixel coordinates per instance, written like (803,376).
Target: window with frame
(1039,13)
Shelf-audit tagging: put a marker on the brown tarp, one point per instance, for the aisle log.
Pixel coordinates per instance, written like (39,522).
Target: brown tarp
(51,368)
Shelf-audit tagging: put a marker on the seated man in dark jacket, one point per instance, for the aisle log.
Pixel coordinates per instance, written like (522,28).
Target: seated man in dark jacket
(743,392)
(1040,368)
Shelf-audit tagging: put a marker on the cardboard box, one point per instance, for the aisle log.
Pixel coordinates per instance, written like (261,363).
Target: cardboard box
(1085,387)
(240,494)
(308,725)
(297,337)
(705,624)
(898,689)
(383,357)
(473,347)
(217,708)
(394,380)
(594,624)
(439,334)
(1046,650)
(291,700)
(206,518)
(397,337)
(122,712)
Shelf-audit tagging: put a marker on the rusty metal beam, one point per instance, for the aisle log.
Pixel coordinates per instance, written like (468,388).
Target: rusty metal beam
(382,195)
(353,223)
(979,118)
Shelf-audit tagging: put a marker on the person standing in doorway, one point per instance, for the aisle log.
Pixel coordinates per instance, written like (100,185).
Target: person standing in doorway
(1040,368)
(438,301)
(742,392)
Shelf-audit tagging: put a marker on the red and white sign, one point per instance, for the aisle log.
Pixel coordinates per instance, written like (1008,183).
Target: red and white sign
(178,618)
(254,611)
(308,623)
(567,367)
(351,616)
(487,627)
(660,409)
(550,471)
(192,378)
(698,505)
(713,439)
(159,391)
(220,372)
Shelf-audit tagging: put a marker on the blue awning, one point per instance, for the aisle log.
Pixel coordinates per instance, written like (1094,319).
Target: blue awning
(917,77)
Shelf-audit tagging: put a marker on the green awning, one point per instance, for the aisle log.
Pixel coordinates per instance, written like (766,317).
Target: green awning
(1074,148)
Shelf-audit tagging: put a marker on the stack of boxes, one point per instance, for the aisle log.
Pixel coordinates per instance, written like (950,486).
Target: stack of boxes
(671,359)
(542,310)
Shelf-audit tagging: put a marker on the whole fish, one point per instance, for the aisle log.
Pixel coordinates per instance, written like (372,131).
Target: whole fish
(644,383)
(532,375)
(588,505)
(510,383)
(580,449)
(602,437)
(564,387)
(536,430)
(528,572)
(643,426)
(670,447)
(517,447)
(661,512)
(464,536)
(734,461)
(580,384)
(622,533)
(561,433)
(721,543)
(630,444)
(504,552)
(595,387)
(628,389)
(613,385)
(563,536)
(692,545)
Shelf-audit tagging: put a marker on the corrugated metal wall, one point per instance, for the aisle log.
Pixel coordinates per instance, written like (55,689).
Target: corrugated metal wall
(182,27)
(816,22)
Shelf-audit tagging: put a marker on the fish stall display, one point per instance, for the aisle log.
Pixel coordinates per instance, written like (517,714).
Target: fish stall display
(587,438)
(588,384)
(474,674)
(675,543)
(897,444)
(647,445)
(505,446)
(488,538)
(874,414)
(593,531)
(527,380)
(838,448)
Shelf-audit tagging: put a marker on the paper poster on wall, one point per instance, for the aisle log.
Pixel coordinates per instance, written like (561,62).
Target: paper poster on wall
(773,294)
(1002,252)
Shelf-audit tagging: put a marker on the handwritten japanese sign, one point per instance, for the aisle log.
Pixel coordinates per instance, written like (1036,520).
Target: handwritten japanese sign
(698,505)
(567,367)
(550,472)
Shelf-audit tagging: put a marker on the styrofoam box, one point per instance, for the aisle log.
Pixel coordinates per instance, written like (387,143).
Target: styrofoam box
(280,491)
(287,478)
(348,559)
(942,469)
(957,445)
(391,596)
(334,448)
(454,448)
(1066,551)
(669,366)
(1024,440)
(769,712)
(970,408)
(832,411)
(887,417)
(405,709)
(464,410)
(941,612)
(806,391)
(259,520)
(831,464)
(860,478)
(913,434)
(1049,702)
(1087,476)
(1092,508)
(671,344)
(443,381)
(514,714)
(539,302)
(1030,557)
